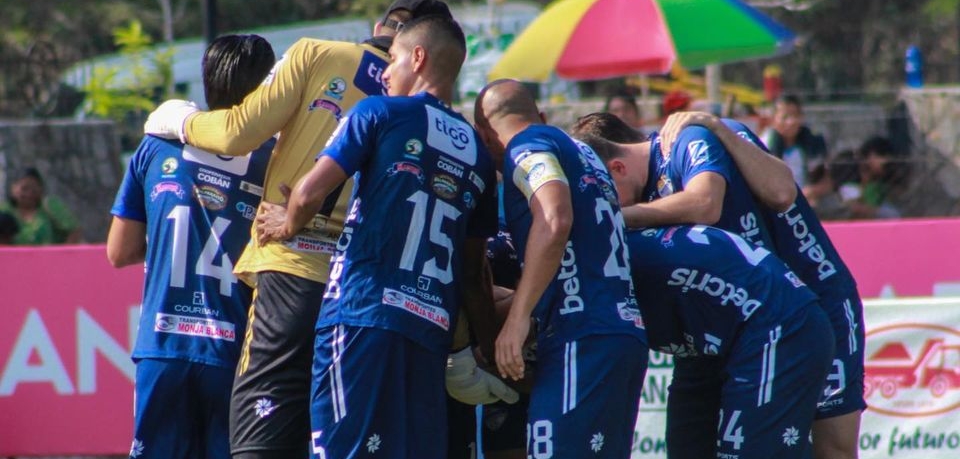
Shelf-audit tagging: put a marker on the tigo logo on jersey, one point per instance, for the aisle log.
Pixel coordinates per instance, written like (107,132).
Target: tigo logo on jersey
(451,136)
(912,370)
(369,75)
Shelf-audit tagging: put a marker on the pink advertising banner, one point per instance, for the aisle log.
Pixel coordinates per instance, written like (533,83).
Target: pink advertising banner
(70,319)
(901,257)
(66,379)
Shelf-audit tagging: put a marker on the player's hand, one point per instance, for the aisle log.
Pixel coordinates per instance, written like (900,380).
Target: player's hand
(272,223)
(168,119)
(470,384)
(676,122)
(510,346)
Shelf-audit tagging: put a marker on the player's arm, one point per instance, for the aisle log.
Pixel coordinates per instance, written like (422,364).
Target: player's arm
(768,177)
(700,202)
(276,223)
(551,209)
(477,301)
(126,242)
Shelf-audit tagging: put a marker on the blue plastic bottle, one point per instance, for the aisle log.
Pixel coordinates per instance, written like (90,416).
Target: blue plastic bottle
(914,67)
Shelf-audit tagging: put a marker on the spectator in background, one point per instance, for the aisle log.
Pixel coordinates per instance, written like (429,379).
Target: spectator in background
(833,187)
(675,101)
(884,176)
(792,141)
(624,106)
(8,228)
(42,219)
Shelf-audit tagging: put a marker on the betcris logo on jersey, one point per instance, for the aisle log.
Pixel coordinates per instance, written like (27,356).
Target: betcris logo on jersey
(451,136)
(369,77)
(236,165)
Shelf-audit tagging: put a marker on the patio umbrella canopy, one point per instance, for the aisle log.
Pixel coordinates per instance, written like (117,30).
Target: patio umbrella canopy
(595,39)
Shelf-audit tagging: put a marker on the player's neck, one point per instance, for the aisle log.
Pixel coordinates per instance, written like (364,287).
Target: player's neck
(440,91)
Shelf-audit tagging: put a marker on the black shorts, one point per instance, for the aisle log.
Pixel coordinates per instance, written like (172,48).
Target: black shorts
(461,430)
(504,425)
(269,409)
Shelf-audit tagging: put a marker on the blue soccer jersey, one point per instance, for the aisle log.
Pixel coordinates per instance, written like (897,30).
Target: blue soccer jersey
(801,241)
(424,184)
(198,208)
(698,150)
(705,283)
(592,292)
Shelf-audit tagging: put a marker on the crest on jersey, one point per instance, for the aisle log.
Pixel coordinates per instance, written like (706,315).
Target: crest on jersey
(335,88)
(169,166)
(413,147)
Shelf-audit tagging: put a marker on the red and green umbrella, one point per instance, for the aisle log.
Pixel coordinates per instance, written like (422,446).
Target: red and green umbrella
(594,39)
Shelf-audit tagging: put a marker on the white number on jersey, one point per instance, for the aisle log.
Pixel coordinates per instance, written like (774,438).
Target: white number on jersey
(205,263)
(753,255)
(441,211)
(617,264)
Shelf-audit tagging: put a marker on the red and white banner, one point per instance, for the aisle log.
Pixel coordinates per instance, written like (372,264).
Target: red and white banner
(70,319)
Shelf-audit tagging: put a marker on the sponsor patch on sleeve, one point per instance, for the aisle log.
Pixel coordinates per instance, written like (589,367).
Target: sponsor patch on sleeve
(535,169)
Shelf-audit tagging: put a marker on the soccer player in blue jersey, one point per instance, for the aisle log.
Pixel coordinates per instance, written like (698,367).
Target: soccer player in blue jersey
(423,206)
(801,241)
(563,213)
(187,213)
(695,181)
(705,291)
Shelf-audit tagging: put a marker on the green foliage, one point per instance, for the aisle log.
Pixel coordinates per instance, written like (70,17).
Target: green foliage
(149,71)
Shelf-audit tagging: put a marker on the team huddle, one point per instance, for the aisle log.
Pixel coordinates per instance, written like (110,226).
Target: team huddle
(333,269)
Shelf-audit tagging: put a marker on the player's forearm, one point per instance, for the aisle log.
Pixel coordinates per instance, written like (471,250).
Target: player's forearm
(544,251)
(227,131)
(126,242)
(680,208)
(478,304)
(311,191)
(768,177)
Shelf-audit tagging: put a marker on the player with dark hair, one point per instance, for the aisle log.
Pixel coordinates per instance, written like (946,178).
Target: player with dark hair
(407,259)
(304,99)
(187,213)
(563,213)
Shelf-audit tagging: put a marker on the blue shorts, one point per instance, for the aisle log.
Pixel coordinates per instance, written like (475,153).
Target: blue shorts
(843,393)
(585,398)
(181,410)
(376,393)
(770,384)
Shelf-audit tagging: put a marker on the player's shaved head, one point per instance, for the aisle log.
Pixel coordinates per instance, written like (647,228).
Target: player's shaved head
(442,39)
(503,98)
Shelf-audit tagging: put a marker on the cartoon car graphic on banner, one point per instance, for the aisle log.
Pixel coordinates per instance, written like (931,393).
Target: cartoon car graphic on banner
(912,369)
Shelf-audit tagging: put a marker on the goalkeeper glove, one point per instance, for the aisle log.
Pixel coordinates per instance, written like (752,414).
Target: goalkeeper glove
(168,119)
(470,384)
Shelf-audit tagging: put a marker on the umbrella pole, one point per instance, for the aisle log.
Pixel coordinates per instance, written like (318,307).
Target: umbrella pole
(712,77)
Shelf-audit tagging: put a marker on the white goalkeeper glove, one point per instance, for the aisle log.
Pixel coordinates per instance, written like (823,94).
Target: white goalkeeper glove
(470,384)
(168,119)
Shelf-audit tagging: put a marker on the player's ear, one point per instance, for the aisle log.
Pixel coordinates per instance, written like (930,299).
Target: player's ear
(418,58)
(617,166)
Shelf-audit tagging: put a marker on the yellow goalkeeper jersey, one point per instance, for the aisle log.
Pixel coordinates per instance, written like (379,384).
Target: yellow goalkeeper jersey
(303,99)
